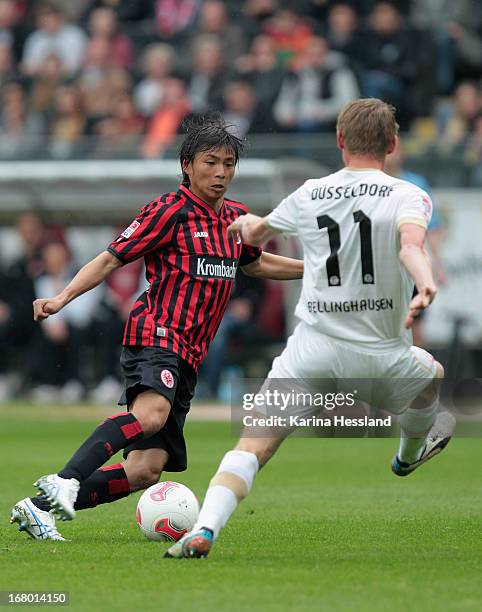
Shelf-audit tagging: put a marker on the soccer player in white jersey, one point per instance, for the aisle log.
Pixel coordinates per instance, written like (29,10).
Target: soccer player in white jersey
(363,235)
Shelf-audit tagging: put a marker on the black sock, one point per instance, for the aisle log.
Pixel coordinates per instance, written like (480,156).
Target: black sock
(104,486)
(116,432)
(41,502)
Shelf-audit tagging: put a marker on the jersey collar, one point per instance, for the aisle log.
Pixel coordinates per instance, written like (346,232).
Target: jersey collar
(201,203)
(350,169)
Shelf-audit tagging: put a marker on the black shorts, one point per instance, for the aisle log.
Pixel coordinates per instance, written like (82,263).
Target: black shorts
(165,372)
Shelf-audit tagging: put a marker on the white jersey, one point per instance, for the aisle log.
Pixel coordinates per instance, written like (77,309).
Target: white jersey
(354,286)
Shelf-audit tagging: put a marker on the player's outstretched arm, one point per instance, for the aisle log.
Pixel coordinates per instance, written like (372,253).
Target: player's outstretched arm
(252,229)
(88,277)
(415,260)
(275,267)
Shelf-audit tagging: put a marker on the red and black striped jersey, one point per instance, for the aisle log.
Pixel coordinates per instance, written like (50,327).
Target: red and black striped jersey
(191,265)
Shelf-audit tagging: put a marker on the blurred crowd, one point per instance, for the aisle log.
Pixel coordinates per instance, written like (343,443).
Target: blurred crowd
(74,356)
(116,78)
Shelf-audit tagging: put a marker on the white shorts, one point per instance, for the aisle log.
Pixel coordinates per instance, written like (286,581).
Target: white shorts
(386,380)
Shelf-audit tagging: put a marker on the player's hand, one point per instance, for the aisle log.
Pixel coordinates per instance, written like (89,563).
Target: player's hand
(422,300)
(236,227)
(43,308)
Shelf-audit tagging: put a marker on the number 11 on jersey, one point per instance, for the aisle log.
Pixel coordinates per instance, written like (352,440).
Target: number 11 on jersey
(332,264)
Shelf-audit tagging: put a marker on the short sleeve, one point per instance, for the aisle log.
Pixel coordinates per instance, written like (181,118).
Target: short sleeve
(152,229)
(415,207)
(284,218)
(249,254)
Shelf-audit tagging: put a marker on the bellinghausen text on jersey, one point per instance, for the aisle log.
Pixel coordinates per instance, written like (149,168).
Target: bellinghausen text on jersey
(190,266)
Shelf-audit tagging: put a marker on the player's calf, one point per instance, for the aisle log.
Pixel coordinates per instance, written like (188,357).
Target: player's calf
(144,467)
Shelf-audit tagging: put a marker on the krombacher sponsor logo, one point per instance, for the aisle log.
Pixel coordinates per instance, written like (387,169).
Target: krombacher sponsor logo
(215,267)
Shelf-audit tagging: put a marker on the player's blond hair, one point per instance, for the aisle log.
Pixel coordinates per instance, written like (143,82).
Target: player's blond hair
(368,127)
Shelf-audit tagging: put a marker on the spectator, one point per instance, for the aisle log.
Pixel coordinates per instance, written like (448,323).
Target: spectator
(11,31)
(240,108)
(100,81)
(69,124)
(320,9)
(62,340)
(53,35)
(157,64)
(45,86)
(165,124)
(261,70)
(290,34)
(457,120)
(208,76)
(313,93)
(20,130)
(214,21)
(174,18)
(119,135)
(17,328)
(390,58)
(128,11)
(342,33)
(255,14)
(7,70)
(72,10)
(456,28)
(103,24)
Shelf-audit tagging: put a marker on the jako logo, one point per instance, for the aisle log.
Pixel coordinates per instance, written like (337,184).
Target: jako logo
(200,234)
(215,267)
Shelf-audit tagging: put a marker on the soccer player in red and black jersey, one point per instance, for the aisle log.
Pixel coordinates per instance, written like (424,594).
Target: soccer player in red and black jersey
(191,263)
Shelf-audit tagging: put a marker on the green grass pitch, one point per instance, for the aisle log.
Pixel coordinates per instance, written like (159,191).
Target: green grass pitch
(327,527)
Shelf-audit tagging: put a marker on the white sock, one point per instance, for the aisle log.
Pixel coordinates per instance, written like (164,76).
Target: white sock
(221,501)
(415,425)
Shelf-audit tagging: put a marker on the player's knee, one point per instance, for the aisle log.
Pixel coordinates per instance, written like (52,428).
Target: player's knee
(153,423)
(151,410)
(142,477)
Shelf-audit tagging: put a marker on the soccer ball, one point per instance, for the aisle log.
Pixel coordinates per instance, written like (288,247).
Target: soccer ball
(166,511)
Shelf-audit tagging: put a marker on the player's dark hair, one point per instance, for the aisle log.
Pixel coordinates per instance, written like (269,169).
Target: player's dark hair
(204,133)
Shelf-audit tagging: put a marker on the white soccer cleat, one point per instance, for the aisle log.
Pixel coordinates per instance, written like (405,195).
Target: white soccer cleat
(61,493)
(437,439)
(39,524)
(194,545)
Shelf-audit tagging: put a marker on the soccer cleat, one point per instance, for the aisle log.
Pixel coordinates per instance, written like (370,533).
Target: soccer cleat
(61,493)
(39,524)
(437,439)
(194,545)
